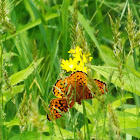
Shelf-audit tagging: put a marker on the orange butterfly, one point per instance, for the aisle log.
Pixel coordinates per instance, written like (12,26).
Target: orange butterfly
(70,90)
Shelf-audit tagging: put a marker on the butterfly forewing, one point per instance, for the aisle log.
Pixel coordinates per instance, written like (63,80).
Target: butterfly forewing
(61,88)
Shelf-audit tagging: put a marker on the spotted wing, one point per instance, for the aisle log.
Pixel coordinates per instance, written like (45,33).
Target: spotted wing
(61,88)
(57,107)
(79,81)
(101,85)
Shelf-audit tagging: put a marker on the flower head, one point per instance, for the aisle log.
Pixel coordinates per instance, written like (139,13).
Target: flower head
(77,61)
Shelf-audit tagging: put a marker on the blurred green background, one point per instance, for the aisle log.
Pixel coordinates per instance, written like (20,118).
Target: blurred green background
(35,35)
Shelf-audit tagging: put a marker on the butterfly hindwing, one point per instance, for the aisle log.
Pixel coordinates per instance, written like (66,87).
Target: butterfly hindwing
(87,94)
(58,106)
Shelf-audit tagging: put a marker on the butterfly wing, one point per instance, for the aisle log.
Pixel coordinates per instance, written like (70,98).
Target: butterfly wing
(57,107)
(87,94)
(101,85)
(79,79)
(61,88)
(79,82)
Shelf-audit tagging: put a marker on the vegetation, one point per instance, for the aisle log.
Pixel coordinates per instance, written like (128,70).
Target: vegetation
(37,40)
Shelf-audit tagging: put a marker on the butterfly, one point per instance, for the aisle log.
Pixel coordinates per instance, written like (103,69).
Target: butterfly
(69,90)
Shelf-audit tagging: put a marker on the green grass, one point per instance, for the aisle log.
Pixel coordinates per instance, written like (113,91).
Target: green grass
(32,44)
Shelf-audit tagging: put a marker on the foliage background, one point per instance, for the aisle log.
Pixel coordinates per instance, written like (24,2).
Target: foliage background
(34,37)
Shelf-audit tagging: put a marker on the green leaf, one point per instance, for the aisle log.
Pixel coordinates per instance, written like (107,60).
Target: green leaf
(92,111)
(65,24)
(132,131)
(15,121)
(9,55)
(29,136)
(1,65)
(95,131)
(130,63)
(108,55)
(128,137)
(118,102)
(7,95)
(127,120)
(133,71)
(28,26)
(134,111)
(12,122)
(89,110)
(59,132)
(23,74)
(131,82)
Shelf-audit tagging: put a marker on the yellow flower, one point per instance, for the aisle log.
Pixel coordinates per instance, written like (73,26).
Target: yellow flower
(77,62)
(77,50)
(68,65)
(84,58)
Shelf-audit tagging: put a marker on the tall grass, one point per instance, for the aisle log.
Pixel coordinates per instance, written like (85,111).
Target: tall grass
(34,37)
